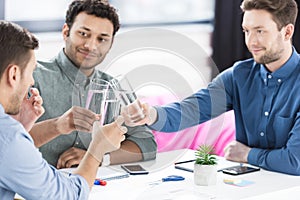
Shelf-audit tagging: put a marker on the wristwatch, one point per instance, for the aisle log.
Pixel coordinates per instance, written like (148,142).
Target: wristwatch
(106,160)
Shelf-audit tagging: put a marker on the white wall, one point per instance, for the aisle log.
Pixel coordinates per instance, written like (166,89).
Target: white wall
(165,68)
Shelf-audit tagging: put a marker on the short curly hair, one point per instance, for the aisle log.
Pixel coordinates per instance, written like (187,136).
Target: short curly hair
(99,8)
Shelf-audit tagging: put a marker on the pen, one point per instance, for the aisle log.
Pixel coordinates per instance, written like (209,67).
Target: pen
(173,178)
(184,162)
(183,168)
(167,179)
(100,182)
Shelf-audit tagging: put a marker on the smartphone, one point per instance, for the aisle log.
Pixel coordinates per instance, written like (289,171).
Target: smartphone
(241,169)
(134,169)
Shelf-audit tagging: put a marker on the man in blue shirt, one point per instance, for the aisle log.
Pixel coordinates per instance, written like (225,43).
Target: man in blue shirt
(22,168)
(262,91)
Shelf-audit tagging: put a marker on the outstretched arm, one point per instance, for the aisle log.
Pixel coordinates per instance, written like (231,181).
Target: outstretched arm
(104,139)
(76,118)
(135,119)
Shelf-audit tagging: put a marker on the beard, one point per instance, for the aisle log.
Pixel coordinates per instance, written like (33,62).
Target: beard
(72,53)
(14,105)
(269,57)
(273,54)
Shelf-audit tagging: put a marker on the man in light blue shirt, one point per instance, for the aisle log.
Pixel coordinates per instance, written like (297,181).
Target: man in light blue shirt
(22,168)
(264,93)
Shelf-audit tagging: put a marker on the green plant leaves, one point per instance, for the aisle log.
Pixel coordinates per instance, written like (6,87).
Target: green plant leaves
(205,155)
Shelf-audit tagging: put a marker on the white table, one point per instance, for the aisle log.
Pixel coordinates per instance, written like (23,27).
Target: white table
(267,185)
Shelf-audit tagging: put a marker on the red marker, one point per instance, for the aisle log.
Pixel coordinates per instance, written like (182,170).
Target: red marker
(100,182)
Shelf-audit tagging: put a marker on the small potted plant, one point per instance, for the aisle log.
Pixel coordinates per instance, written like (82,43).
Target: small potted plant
(205,167)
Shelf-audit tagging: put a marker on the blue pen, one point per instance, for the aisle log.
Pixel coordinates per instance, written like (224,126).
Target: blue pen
(172,178)
(167,179)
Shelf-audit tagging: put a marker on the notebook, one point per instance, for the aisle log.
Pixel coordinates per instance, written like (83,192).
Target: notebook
(108,173)
(103,173)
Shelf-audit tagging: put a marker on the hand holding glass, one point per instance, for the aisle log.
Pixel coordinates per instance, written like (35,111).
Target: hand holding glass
(128,98)
(102,100)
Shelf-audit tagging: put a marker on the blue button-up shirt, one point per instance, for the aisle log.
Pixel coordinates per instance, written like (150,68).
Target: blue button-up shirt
(24,171)
(266,106)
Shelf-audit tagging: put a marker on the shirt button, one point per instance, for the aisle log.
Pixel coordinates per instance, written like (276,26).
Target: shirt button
(262,134)
(269,76)
(266,114)
(76,143)
(279,80)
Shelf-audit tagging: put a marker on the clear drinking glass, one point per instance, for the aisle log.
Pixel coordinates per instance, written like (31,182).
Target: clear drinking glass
(102,99)
(127,96)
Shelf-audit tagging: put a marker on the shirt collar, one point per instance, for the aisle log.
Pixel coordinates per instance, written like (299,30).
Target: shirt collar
(1,109)
(70,70)
(285,70)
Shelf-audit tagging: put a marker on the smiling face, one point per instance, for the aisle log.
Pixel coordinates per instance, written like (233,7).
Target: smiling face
(88,41)
(266,43)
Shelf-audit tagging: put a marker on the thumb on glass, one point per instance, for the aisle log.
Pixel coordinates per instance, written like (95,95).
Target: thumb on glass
(119,121)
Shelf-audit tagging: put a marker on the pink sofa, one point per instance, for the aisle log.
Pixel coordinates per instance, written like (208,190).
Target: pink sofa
(217,132)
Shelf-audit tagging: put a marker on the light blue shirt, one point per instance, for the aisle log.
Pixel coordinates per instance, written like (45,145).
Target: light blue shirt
(24,171)
(266,106)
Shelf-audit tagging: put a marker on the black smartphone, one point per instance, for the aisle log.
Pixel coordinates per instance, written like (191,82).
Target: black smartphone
(240,169)
(134,169)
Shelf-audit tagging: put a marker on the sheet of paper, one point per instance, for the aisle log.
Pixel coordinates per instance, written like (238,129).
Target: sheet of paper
(103,173)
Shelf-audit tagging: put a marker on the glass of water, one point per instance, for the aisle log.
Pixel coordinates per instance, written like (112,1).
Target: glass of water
(127,97)
(102,99)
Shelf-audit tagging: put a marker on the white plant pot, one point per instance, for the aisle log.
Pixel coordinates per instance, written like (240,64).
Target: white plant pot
(205,174)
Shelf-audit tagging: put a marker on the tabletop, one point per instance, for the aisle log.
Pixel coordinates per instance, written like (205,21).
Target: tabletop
(265,184)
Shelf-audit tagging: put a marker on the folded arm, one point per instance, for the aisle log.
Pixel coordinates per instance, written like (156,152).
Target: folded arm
(139,145)
(285,159)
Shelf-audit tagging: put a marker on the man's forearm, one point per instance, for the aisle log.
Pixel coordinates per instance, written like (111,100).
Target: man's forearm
(88,168)
(129,152)
(44,131)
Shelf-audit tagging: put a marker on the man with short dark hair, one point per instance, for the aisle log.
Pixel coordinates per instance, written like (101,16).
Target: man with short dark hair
(63,82)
